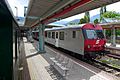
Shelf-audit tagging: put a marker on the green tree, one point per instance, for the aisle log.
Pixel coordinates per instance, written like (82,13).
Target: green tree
(114,16)
(87,17)
(117,32)
(111,14)
(102,11)
(72,23)
(82,21)
(108,33)
(96,21)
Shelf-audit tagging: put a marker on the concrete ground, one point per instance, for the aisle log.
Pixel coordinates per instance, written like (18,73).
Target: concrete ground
(79,71)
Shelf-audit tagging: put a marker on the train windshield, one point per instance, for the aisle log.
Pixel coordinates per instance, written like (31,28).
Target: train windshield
(94,34)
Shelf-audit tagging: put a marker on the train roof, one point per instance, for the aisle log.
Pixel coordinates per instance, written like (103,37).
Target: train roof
(83,26)
(65,27)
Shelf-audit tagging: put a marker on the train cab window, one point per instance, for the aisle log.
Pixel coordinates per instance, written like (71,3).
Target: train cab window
(100,34)
(53,35)
(61,37)
(49,34)
(94,34)
(74,34)
(91,34)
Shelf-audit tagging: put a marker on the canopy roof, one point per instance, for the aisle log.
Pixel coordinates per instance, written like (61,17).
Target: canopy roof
(46,11)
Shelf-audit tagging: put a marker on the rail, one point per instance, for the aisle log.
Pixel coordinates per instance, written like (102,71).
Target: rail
(114,52)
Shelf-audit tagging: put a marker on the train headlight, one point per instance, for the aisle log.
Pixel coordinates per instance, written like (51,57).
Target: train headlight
(88,46)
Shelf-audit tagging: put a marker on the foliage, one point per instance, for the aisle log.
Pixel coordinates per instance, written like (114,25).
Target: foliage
(102,10)
(117,32)
(108,33)
(86,19)
(96,21)
(71,23)
(82,20)
(111,14)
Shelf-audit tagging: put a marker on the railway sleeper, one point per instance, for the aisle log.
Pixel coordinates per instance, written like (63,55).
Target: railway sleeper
(61,64)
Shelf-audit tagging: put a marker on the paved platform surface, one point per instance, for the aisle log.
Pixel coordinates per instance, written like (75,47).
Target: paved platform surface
(34,66)
(36,63)
(80,72)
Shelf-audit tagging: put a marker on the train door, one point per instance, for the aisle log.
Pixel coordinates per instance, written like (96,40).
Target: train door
(56,39)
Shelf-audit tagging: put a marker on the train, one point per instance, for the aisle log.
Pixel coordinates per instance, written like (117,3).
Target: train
(87,39)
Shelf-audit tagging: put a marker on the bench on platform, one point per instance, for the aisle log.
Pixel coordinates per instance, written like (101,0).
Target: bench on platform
(61,64)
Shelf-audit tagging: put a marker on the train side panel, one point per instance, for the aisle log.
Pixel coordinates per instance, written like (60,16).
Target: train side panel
(73,40)
(50,37)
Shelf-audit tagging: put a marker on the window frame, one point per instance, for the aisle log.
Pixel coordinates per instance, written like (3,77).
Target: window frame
(61,35)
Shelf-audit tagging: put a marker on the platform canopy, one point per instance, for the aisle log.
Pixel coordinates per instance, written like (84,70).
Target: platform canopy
(46,11)
(110,25)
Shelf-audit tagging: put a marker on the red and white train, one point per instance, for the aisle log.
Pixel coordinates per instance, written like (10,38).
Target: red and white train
(87,39)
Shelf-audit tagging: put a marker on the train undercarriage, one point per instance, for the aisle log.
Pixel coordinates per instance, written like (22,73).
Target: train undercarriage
(94,55)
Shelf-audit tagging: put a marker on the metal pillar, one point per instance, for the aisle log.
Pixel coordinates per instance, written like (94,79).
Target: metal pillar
(105,33)
(41,38)
(113,36)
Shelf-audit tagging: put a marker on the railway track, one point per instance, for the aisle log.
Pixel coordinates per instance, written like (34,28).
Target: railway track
(114,52)
(97,63)
(114,55)
(104,64)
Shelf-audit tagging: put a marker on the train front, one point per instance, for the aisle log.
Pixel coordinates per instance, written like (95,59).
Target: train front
(94,40)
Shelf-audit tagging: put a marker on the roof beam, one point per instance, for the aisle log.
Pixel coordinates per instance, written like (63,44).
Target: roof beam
(64,11)
(76,5)
(61,4)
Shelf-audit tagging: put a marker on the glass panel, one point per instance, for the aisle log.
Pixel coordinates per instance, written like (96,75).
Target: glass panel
(53,35)
(57,35)
(94,34)
(61,37)
(74,34)
(49,34)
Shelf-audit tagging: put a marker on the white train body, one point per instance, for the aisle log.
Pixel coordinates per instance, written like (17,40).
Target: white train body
(69,38)
(86,39)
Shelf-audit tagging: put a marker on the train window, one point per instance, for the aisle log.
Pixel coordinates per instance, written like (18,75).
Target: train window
(45,33)
(49,34)
(57,35)
(91,34)
(53,35)
(100,34)
(94,34)
(74,34)
(61,37)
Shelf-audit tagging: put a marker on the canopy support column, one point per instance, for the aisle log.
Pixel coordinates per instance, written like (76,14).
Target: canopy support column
(105,33)
(113,36)
(41,38)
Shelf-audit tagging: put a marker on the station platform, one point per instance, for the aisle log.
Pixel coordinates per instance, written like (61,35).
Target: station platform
(35,66)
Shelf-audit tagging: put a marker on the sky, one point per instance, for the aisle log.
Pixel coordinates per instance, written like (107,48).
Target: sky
(111,7)
(21,3)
